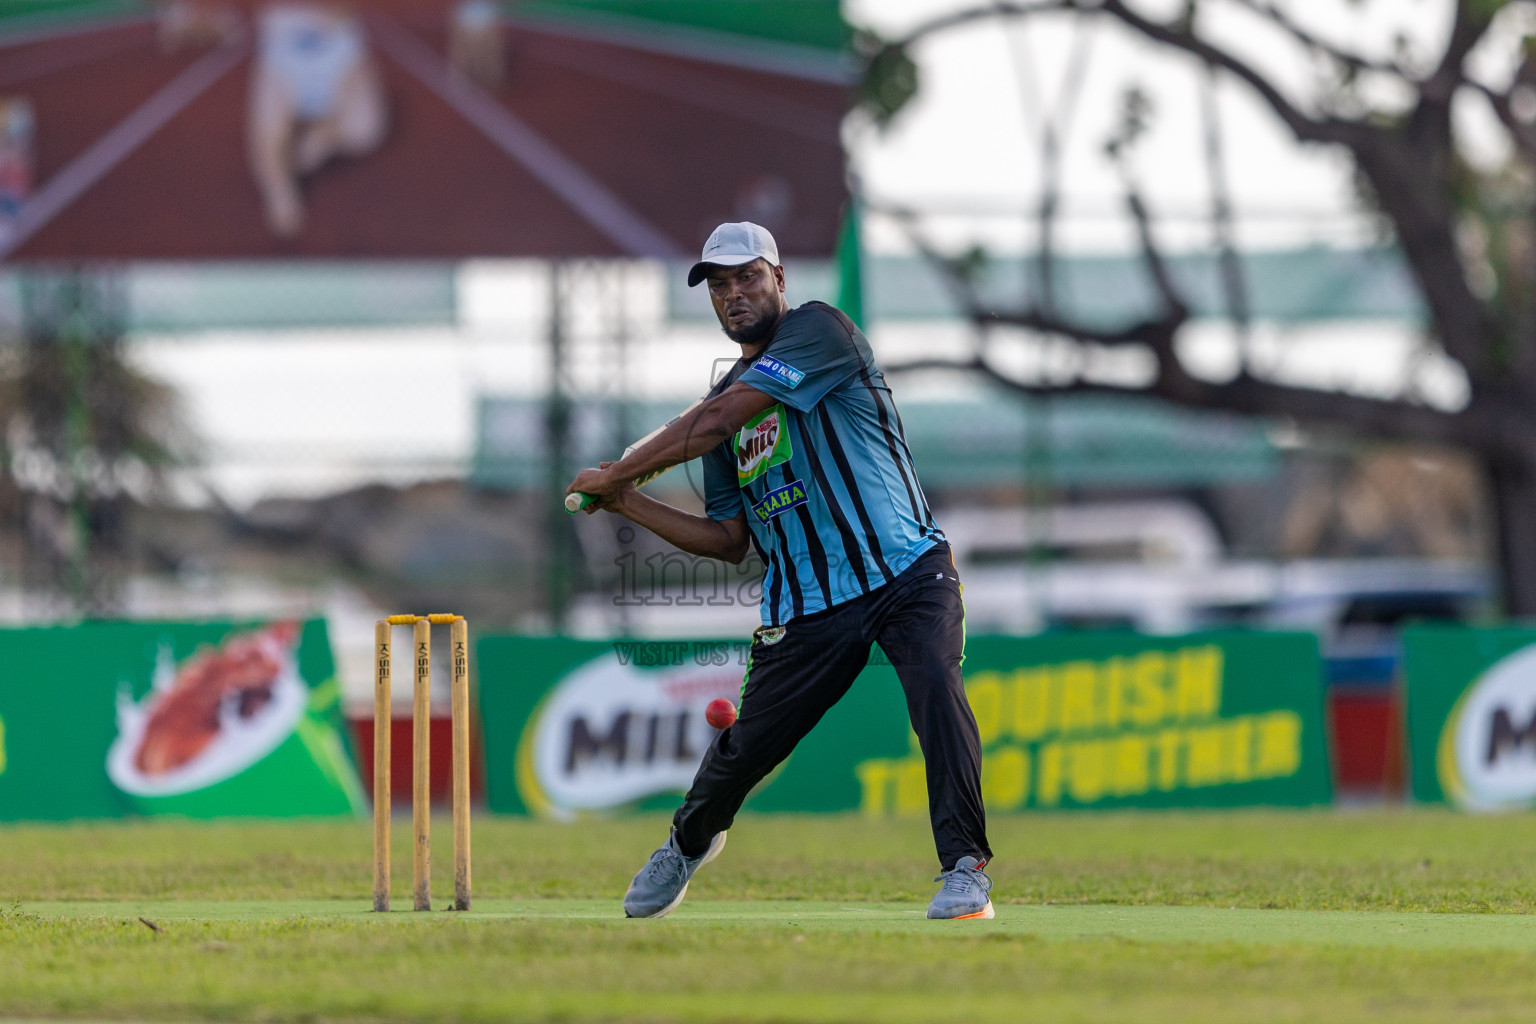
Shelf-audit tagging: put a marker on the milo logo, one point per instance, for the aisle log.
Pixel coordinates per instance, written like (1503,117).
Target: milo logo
(762,444)
(751,449)
(610,733)
(1487,753)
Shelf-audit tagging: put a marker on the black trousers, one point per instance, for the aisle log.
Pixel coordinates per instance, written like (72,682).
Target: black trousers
(919,622)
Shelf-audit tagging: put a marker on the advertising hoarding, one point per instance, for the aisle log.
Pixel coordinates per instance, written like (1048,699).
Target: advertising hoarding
(106,719)
(1470,696)
(1071,721)
(426,129)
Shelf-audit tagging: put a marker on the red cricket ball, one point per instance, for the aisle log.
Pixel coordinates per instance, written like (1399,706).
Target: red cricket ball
(720,713)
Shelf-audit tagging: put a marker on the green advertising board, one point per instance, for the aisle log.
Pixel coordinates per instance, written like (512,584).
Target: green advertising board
(1471,708)
(1083,720)
(210,719)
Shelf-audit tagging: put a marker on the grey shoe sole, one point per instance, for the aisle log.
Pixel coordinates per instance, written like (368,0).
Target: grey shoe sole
(715,846)
(985,913)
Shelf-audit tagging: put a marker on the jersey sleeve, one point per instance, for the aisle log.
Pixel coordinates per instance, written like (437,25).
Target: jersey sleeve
(811,354)
(722,493)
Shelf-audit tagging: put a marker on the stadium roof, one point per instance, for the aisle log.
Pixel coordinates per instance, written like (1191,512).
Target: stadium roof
(622,129)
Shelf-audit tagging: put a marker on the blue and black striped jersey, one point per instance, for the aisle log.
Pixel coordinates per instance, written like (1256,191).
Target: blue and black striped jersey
(825,476)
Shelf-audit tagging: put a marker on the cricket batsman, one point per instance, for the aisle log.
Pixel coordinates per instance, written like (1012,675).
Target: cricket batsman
(805,459)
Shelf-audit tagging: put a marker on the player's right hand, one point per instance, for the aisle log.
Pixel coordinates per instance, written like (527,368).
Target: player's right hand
(595,482)
(615,503)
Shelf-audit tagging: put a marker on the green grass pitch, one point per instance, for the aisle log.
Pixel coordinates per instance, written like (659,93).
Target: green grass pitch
(1244,916)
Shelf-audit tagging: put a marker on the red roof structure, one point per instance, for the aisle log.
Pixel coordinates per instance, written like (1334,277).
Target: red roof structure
(598,142)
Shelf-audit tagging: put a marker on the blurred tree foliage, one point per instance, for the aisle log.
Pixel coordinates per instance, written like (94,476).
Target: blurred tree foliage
(1398,110)
(85,438)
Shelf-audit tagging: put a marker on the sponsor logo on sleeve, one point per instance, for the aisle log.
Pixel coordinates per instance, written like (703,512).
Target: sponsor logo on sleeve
(762,444)
(779,370)
(781,499)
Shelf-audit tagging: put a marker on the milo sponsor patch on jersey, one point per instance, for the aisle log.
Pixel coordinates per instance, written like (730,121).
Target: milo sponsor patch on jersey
(780,499)
(762,444)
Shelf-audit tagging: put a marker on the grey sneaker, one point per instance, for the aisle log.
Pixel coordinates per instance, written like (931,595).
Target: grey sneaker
(662,883)
(964,893)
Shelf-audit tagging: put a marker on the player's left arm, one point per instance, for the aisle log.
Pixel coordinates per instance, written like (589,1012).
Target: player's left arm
(695,433)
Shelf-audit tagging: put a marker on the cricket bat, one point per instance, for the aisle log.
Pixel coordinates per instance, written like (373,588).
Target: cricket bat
(576,500)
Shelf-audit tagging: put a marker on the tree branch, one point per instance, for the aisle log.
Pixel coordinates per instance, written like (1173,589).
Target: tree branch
(956,19)
(1524,135)
(1156,333)
(961,289)
(1413,193)
(1473,19)
(1054,128)
(1234,284)
(1354,61)
(1304,127)
(1477,428)
(1143,332)
(1408,166)
(1174,306)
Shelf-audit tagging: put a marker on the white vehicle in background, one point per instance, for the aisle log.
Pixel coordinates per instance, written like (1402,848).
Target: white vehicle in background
(1158,567)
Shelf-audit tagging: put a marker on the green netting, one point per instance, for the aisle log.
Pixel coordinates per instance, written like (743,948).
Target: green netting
(997,440)
(1295,286)
(175,298)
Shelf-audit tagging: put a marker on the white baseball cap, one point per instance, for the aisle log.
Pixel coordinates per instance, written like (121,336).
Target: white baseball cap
(731,245)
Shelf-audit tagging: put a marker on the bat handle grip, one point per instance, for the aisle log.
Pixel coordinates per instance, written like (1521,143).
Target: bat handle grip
(576,501)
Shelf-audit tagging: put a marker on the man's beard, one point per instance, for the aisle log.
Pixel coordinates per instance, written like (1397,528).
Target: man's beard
(753,333)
